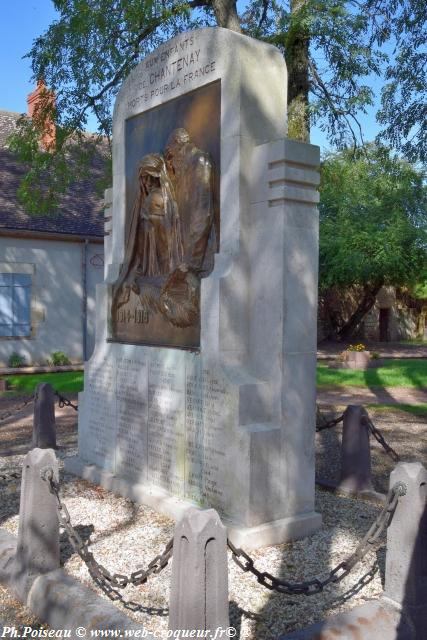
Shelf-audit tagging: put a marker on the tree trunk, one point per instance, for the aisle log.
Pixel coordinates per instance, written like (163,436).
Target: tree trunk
(226,14)
(368,300)
(297,60)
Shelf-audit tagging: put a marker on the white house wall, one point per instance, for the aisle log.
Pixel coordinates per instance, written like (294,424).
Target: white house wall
(57,306)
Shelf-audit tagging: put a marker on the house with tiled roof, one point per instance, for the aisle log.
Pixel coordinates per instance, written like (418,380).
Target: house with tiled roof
(49,265)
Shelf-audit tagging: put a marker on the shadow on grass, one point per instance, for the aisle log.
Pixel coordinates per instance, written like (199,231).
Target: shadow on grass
(418,410)
(392,373)
(398,373)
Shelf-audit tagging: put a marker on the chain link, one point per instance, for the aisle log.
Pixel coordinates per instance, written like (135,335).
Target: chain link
(65,402)
(108,582)
(311,587)
(12,412)
(366,420)
(9,476)
(358,586)
(380,438)
(326,424)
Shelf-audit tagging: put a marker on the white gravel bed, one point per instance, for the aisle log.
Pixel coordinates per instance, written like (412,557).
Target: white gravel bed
(125,536)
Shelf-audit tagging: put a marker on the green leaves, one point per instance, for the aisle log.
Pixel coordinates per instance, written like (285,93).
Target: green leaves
(84,56)
(332,48)
(403,110)
(51,172)
(373,220)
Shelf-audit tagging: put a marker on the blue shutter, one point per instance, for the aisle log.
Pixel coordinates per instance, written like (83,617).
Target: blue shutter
(6,310)
(21,304)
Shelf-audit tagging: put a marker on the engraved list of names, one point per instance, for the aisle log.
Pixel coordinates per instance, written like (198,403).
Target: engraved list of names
(131,396)
(206,417)
(97,443)
(161,422)
(166,402)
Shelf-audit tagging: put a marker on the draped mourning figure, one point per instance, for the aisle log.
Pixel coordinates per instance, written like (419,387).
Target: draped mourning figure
(171,234)
(153,245)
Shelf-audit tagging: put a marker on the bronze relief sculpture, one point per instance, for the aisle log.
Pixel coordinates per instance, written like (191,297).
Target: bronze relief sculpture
(170,245)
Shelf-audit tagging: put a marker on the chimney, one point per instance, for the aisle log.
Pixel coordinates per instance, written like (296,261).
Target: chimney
(40,103)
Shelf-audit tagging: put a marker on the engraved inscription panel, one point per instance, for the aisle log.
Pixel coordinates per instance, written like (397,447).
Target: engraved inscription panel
(131,444)
(173,67)
(162,419)
(100,435)
(172,220)
(208,406)
(166,428)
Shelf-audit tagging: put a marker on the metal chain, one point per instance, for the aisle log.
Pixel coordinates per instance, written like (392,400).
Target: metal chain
(311,587)
(358,586)
(108,582)
(9,476)
(380,438)
(365,420)
(8,414)
(64,402)
(326,424)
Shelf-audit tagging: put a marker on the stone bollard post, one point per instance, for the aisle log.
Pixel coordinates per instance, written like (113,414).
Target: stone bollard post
(406,560)
(44,427)
(37,550)
(355,452)
(199,588)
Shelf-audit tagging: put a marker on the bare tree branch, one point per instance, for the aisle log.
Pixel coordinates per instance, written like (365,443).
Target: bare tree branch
(343,113)
(134,44)
(337,112)
(265,4)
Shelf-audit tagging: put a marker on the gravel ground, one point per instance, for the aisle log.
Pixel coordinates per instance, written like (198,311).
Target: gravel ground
(125,535)
(333,394)
(404,432)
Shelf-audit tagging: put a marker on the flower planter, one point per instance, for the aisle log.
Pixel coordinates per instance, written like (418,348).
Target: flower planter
(356,359)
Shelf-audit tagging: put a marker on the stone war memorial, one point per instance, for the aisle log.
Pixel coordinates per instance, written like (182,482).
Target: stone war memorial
(201,388)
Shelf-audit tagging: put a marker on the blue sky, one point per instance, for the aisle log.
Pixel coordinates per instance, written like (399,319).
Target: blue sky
(24,20)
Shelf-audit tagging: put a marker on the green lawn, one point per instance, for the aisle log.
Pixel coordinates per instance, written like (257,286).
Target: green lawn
(419,410)
(393,373)
(66,382)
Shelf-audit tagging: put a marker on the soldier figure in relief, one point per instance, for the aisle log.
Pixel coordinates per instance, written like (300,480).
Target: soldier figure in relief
(192,174)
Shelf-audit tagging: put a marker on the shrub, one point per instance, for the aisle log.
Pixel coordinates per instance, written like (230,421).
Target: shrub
(16,360)
(59,358)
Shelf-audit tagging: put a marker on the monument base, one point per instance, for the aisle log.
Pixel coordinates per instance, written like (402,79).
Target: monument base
(275,532)
(269,533)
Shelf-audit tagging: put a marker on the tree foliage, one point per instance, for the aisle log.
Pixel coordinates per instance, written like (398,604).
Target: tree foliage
(404,107)
(331,47)
(373,225)
(51,171)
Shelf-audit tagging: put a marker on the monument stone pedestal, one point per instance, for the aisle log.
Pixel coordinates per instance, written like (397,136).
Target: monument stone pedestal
(228,423)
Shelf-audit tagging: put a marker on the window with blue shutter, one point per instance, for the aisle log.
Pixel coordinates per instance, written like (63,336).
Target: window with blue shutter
(15,304)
